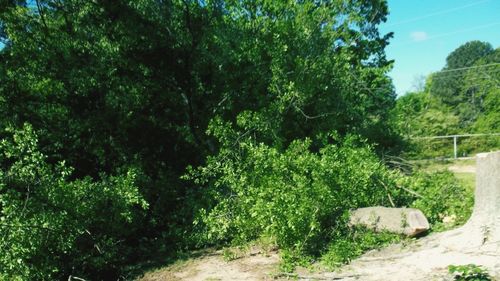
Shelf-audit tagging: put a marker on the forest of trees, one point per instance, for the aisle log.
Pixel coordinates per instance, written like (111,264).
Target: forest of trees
(131,129)
(462,98)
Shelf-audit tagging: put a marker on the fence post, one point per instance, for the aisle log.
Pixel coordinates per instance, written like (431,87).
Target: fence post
(455,146)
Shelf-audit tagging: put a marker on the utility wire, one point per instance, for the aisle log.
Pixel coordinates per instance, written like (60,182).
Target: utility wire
(463,30)
(438,74)
(468,67)
(449,33)
(474,76)
(436,13)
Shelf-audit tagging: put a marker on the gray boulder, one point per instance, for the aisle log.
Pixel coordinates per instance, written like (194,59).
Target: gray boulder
(405,221)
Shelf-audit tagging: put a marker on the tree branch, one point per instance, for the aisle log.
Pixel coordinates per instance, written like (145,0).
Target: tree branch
(42,16)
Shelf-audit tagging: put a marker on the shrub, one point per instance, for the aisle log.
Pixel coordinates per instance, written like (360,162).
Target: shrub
(52,226)
(352,243)
(298,197)
(469,272)
(301,196)
(442,196)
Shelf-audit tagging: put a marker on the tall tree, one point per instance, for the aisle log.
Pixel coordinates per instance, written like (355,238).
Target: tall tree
(447,85)
(113,85)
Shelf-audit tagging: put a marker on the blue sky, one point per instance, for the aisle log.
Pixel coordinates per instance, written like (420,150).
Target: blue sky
(426,31)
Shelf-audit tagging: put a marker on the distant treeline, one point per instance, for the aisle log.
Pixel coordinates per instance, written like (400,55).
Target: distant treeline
(462,98)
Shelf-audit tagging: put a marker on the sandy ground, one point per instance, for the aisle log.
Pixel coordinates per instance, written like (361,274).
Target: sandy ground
(426,259)
(462,168)
(253,265)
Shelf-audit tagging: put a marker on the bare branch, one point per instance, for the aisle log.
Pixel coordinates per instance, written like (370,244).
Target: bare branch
(309,117)
(71,278)
(388,193)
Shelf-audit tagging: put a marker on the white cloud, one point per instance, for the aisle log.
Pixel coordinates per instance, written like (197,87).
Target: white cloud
(418,36)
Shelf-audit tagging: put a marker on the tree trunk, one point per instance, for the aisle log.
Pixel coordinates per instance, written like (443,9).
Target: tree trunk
(486,212)
(482,230)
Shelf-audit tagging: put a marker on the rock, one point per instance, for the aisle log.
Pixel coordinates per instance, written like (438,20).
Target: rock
(406,221)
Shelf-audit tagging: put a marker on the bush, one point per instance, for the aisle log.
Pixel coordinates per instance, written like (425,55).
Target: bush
(52,226)
(297,197)
(301,196)
(469,272)
(442,196)
(350,244)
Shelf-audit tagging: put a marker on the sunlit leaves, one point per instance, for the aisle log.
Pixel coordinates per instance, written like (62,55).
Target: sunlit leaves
(46,219)
(292,196)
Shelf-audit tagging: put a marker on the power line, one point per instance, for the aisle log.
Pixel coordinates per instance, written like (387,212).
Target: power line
(475,76)
(438,74)
(463,30)
(437,13)
(449,33)
(469,67)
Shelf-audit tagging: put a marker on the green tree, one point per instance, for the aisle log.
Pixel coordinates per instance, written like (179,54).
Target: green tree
(421,114)
(482,89)
(110,85)
(448,84)
(52,226)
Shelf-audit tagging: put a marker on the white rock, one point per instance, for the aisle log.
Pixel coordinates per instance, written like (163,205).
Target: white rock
(406,221)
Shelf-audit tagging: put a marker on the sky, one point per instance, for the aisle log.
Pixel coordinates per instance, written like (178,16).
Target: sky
(426,31)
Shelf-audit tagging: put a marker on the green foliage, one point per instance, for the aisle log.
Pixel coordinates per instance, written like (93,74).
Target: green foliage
(300,197)
(448,87)
(469,272)
(51,225)
(468,53)
(421,115)
(296,196)
(110,85)
(441,196)
(408,107)
(346,246)
(463,98)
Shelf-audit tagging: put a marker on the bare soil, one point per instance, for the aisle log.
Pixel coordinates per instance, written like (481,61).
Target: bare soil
(425,259)
(462,169)
(255,264)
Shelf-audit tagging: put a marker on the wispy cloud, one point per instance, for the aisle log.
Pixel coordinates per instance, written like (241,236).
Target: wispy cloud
(418,36)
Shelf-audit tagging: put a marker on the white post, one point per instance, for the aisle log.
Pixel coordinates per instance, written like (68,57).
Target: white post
(455,146)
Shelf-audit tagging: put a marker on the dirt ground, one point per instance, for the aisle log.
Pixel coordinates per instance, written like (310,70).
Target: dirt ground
(462,168)
(425,259)
(255,264)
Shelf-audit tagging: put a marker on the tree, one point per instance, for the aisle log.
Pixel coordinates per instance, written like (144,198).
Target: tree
(447,85)
(112,86)
(467,54)
(482,90)
(52,226)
